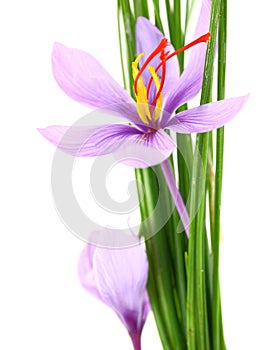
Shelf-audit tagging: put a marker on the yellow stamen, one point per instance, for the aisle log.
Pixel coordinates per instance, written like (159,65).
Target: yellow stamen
(141,97)
(156,79)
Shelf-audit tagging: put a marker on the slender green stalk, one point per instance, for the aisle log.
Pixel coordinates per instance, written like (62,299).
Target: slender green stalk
(218,340)
(189,8)
(185,161)
(211,184)
(129,27)
(170,18)
(186,17)
(197,318)
(141,8)
(153,286)
(160,264)
(177,241)
(157,15)
(198,333)
(153,291)
(202,142)
(178,248)
(179,35)
(209,60)
(121,44)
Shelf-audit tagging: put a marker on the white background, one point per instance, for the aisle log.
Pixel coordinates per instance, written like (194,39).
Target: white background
(42,303)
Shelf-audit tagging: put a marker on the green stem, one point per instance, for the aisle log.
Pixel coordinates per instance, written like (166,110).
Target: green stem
(211,185)
(157,15)
(141,8)
(153,285)
(120,44)
(189,8)
(170,18)
(179,35)
(129,28)
(185,161)
(198,333)
(177,240)
(161,269)
(197,317)
(218,340)
(178,248)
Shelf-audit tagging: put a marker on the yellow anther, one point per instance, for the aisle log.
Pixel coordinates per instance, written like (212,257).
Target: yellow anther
(141,97)
(158,106)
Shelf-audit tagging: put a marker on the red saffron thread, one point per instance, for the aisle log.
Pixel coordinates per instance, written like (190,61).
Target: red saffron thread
(163,58)
(160,48)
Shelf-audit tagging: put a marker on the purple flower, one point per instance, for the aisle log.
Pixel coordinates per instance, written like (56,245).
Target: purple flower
(159,90)
(118,278)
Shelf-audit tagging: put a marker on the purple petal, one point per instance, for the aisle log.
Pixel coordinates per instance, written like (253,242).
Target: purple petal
(148,37)
(190,82)
(105,239)
(83,79)
(147,150)
(85,271)
(84,141)
(121,277)
(130,145)
(207,117)
(69,139)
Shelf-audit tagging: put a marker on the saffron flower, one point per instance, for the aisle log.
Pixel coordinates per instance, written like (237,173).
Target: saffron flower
(83,78)
(118,278)
(159,90)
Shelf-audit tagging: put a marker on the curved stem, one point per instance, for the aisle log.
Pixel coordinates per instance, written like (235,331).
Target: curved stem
(178,201)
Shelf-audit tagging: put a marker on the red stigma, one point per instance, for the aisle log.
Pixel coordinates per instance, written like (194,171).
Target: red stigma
(159,49)
(202,39)
(165,56)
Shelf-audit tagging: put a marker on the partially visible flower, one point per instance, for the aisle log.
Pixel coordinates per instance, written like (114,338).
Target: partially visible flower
(118,278)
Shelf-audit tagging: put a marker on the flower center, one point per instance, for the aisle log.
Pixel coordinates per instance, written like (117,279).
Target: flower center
(152,113)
